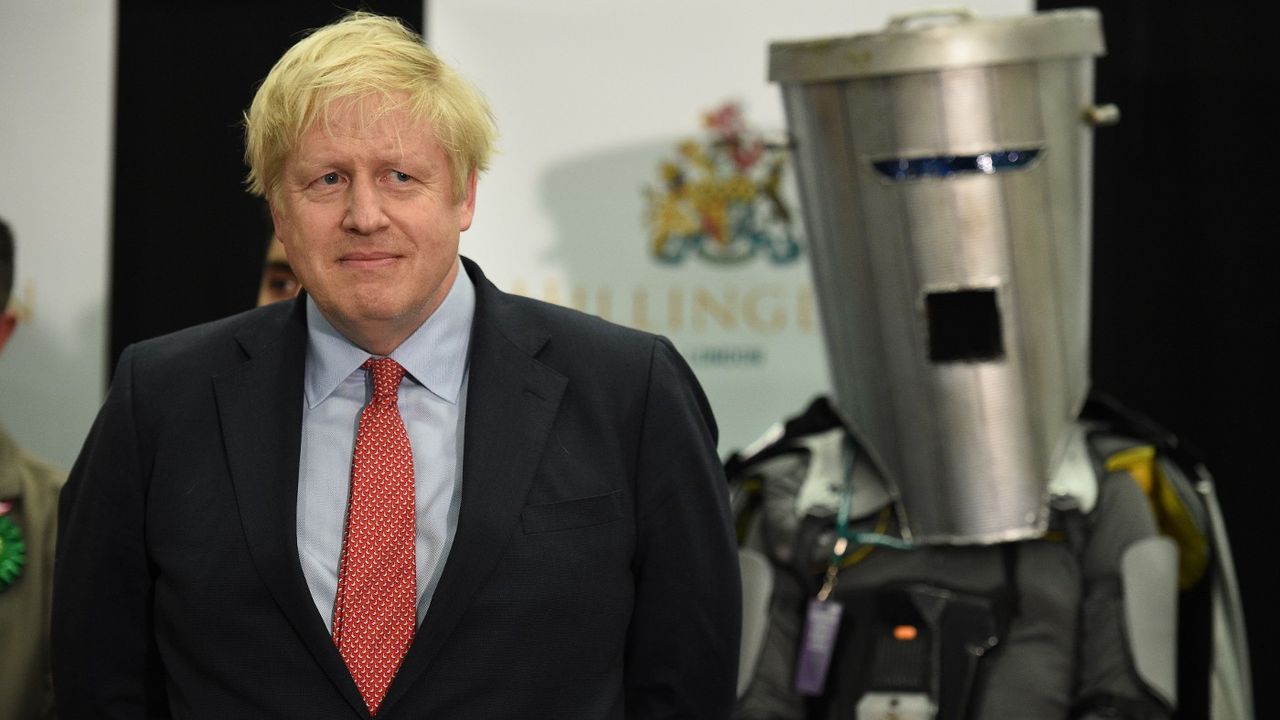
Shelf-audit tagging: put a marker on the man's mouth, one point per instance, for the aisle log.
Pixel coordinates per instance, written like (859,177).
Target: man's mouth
(368,260)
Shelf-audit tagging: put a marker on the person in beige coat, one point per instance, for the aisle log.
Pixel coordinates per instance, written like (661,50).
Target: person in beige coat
(28,518)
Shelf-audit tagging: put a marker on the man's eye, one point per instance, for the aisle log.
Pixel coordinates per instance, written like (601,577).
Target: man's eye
(400,177)
(330,179)
(284,287)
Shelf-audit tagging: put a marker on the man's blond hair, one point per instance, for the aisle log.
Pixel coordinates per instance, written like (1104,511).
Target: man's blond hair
(359,56)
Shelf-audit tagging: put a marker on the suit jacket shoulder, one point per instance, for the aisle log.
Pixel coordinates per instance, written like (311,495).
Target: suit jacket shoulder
(216,345)
(603,360)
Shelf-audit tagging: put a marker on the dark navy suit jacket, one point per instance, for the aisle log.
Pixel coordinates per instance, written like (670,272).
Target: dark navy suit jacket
(593,574)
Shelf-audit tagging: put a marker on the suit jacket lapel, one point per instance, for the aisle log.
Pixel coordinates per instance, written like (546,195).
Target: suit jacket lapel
(512,400)
(260,409)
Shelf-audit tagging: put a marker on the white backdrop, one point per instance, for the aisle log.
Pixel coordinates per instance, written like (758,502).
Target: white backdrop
(56,110)
(592,99)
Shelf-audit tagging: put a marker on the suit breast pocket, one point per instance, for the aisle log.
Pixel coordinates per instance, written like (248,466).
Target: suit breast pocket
(572,514)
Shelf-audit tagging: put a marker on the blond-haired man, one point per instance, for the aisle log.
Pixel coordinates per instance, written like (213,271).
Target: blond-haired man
(404,494)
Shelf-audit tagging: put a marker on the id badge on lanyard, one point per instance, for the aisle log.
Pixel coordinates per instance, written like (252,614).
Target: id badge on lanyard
(822,619)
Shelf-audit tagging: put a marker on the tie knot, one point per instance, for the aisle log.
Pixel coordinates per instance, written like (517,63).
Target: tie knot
(387,374)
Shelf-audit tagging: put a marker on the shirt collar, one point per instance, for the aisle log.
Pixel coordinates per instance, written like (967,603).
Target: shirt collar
(435,355)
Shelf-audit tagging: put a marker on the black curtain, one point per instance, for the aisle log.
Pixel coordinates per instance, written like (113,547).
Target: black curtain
(187,240)
(1186,308)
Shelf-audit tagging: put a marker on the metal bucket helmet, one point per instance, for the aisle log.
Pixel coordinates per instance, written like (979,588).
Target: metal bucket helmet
(944,167)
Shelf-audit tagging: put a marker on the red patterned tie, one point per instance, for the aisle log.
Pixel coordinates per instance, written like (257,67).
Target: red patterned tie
(375,615)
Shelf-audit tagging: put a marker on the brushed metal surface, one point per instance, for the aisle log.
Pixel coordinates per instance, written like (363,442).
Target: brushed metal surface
(966,42)
(969,446)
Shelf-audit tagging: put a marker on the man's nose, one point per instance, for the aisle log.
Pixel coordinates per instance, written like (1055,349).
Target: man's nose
(365,212)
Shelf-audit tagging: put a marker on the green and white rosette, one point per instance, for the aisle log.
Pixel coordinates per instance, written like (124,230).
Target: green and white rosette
(13,552)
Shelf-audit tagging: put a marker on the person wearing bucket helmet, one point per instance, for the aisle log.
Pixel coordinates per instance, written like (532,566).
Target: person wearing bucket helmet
(965,530)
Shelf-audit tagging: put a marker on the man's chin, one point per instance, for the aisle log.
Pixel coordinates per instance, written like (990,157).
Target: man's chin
(376,313)
(355,309)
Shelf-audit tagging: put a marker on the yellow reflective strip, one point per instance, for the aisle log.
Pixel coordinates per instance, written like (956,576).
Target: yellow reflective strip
(1138,462)
(1172,517)
(1176,522)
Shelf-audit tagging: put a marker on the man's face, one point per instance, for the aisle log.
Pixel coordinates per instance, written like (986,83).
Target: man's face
(369,223)
(278,281)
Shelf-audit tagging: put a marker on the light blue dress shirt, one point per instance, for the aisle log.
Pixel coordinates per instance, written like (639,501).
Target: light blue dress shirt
(432,399)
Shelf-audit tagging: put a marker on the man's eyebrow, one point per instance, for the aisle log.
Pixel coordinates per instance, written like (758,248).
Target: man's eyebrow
(280,265)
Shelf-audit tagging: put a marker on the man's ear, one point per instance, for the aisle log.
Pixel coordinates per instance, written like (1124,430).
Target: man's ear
(8,321)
